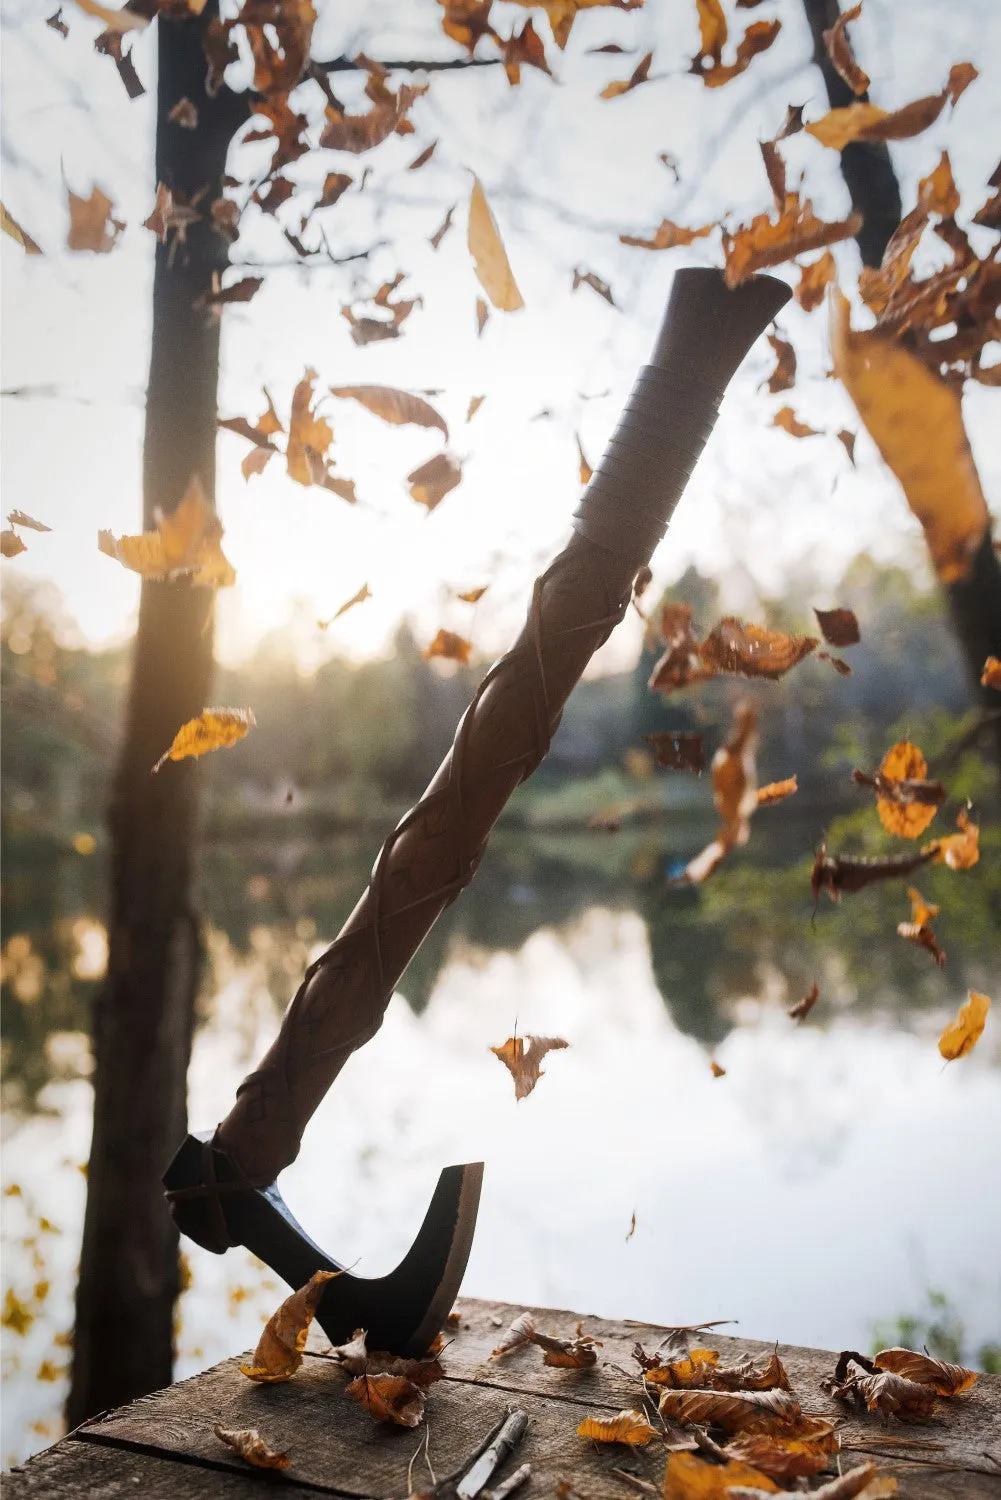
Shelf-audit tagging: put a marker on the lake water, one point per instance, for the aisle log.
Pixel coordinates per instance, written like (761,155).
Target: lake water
(829,1179)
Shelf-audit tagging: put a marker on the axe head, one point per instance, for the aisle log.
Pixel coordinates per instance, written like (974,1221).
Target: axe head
(401,1311)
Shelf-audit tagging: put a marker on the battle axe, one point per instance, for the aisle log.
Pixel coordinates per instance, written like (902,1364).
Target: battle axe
(221,1187)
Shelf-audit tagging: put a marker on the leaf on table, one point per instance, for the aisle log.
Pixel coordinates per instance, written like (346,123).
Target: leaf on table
(279,1350)
(435,239)
(766,242)
(520,1333)
(357,1359)
(490,262)
(991,675)
(747,1376)
(863,1483)
(397,407)
(688,1477)
(522,1056)
(787,419)
(839,50)
(867,122)
(591,279)
(784,374)
(358,598)
(802,1008)
(475,402)
(916,421)
(905,800)
(525,46)
(919,930)
(945,1379)
(92,226)
(667,235)
(584,468)
(752,650)
(352,1356)
(430,482)
(10,226)
(734,1411)
(251,1447)
(879,1390)
(186,541)
(450,646)
(630,1427)
(115,20)
(640,74)
(214,729)
(814,279)
(782,1457)
(388,1398)
(696,1369)
(568,1354)
(963,1034)
(677,750)
(777,791)
(960,851)
(11,544)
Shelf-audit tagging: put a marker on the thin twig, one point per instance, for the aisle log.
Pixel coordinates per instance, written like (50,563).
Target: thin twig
(509,1485)
(643,1485)
(481,1470)
(408,65)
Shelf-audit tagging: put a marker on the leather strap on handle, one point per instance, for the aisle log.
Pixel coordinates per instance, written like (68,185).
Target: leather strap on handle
(506,730)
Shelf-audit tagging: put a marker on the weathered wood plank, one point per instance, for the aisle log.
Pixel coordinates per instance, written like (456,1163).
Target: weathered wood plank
(75,1469)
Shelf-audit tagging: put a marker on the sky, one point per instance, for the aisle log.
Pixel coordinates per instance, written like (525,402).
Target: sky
(565,172)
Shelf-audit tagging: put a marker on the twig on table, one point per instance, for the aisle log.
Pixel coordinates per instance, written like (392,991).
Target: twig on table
(509,1485)
(635,1481)
(510,1434)
(417,1453)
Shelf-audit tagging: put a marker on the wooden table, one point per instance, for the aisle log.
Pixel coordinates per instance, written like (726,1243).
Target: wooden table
(165,1446)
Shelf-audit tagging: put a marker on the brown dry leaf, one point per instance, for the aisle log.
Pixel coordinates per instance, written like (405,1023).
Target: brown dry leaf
(353,1355)
(747,1376)
(839,627)
(423,158)
(482,314)
(91,224)
(562,13)
(937,193)
(358,133)
(991,675)
(334,185)
(388,1398)
(430,482)
(279,1350)
(214,729)
(764,242)
(251,1447)
(814,280)
(18,518)
(186,541)
(490,262)
(443,228)
(473,596)
(667,235)
(863,1483)
(584,469)
(475,402)
(184,114)
(630,1427)
(735,794)
(465,21)
(960,851)
(309,438)
(717,1069)
(916,421)
(708,64)
(945,1379)
(359,598)
(963,1034)
(450,647)
(753,651)
(677,750)
(696,1369)
(640,74)
(918,930)
(115,20)
(839,50)
(632,1227)
(11,544)
(522,1057)
(777,791)
(787,419)
(688,1477)
(10,226)
(781,1457)
(588,278)
(57,23)
(397,407)
(568,1354)
(526,47)
(867,122)
(239,291)
(680,666)
(172,214)
(520,1333)
(891,1395)
(802,1008)
(734,1411)
(899,782)
(784,374)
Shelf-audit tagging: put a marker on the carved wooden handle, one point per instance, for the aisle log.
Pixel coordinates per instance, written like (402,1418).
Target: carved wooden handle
(506,730)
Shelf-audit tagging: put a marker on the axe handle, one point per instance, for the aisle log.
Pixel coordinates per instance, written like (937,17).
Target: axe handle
(506,730)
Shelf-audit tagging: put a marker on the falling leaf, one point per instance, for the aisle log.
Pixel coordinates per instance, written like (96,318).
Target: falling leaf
(450,647)
(963,1034)
(184,114)
(279,1350)
(475,402)
(667,235)
(172,214)
(490,261)
(186,541)
(945,1379)
(960,851)
(688,1477)
(520,1333)
(522,1057)
(802,1008)
(677,750)
(526,47)
(589,278)
(359,598)
(16,1315)
(752,651)
(680,665)
(238,291)
(443,228)
(212,730)
(839,627)
(18,518)
(918,929)
(90,219)
(632,1227)
(630,1427)
(734,1411)
(584,468)
(422,159)
(764,242)
(397,407)
(57,23)
(905,800)
(388,1398)
(991,675)
(777,791)
(916,421)
(473,596)
(787,419)
(839,50)
(482,314)
(430,482)
(758,37)
(814,279)
(247,1441)
(11,544)
(784,374)
(12,227)
(734,793)
(358,133)
(844,874)
(640,74)
(307,431)
(117,20)
(867,122)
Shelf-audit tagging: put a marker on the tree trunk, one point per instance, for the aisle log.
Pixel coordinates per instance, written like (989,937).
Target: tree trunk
(144,1017)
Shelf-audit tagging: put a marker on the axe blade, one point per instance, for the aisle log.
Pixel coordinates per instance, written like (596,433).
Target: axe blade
(401,1311)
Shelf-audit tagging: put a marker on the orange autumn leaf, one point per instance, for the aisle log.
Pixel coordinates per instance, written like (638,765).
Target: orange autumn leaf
(214,729)
(918,930)
(802,1008)
(11,544)
(746,1376)
(867,122)
(839,50)
(525,46)
(734,1411)
(358,598)
(450,647)
(630,1427)
(473,596)
(640,74)
(359,133)
(584,468)
(814,279)
(388,1398)
(787,419)
(963,1034)
(568,1354)
(707,63)
(767,242)
(752,650)
(251,1447)
(717,1069)
(562,13)
(735,792)
(490,262)
(938,193)
(960,851)
(777,791)
(944,1379)
(308,433)
(279,1350)
(10,226)
(903,763)
(91,224)
(185,542)
(475,402)
(782,1457)
(430,482)
(688,1477)
(396,407)
(784,374)
(695,1369)
(680,665)
(522,1056)
(667,235)
(991,675)
(916,421)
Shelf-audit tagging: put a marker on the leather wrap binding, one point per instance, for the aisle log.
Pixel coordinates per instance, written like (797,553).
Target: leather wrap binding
(504,734)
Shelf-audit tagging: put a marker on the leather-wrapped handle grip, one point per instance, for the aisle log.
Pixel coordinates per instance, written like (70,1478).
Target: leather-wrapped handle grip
(505,732)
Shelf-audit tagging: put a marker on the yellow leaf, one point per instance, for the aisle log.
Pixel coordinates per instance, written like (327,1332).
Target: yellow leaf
(397,407)
(212,730)
(186,541)
(308,434)
(89,221)
(777,791)
(450,647)
(991,675)
(11,544)
(629,1427)
(867,122)
(16,1315)
(12,227)
(904,762)
(490,260)
(963,1034)
(688,1477)
(279,1350)
(916,421)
